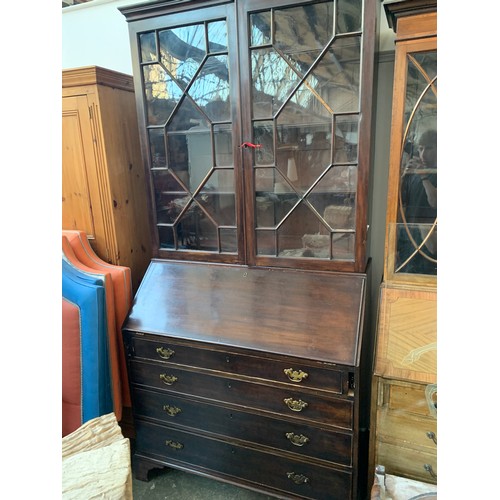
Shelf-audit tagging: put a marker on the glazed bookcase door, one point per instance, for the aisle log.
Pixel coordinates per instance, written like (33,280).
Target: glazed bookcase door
(412,212)
(307,175)
(186,63)
(252,129)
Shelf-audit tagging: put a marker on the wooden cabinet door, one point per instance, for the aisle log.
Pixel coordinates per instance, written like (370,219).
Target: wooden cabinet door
(80,204)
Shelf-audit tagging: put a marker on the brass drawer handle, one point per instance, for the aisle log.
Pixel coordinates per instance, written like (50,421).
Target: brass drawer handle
(432,435)
(165,353)
(297,478)
(295,405)
(174,444)
(168,379)
(172,411)
(296,376)
(297,439)
(428,468)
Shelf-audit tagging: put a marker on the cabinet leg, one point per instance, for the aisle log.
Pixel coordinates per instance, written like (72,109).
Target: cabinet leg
(142,466)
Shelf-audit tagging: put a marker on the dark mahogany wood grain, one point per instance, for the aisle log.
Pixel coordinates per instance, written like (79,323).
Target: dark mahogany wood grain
(301,313)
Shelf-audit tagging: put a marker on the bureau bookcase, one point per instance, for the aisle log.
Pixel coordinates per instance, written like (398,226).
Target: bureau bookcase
(404,418)
(248,350)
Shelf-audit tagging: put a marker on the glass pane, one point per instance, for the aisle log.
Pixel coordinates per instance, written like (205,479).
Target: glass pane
(223,145)
(417,216)
(335,80)
(349,15)
(166,236)
(297,236)
(264,180)
(228,240)
(210,89)
(182,50)
(178,157)
(272,82)
(266,243)
(302,32)
(162,94)
(157,147)
(169,206)
(260,28)
(218,198)
(263,134)
(217,36)
(346,139)
(198,231)
(147,43)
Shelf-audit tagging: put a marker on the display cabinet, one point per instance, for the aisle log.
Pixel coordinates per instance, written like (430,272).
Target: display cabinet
(404,404)
(103,186)
(255,121)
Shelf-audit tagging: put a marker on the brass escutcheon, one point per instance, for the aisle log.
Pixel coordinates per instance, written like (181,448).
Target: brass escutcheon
(297,478)
(171,410)
(168,379)
(295,375)
(174,444)
(165,353)
(297,439)
(295,405)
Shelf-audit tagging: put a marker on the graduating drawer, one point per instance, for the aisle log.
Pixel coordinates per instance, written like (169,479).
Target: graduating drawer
(254,396)
(292,437)
(275,369)
(231,461)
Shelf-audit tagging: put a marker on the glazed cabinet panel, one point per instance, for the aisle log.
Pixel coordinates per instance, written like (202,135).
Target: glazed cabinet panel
(250,117)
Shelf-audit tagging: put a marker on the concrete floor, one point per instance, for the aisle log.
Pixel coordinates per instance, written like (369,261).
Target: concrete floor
(173,484)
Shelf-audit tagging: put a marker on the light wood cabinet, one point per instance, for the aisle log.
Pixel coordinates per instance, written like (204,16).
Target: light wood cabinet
(103,185)
(404,389)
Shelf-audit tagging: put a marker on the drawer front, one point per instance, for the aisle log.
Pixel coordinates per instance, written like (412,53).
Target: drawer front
(254,396)
(408,462)
(223,459)
(407,428)
(302,439)
(295,373)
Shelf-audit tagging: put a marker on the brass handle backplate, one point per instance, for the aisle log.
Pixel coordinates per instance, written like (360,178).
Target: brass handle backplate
(296,376)
(171,410)
(297,439)
(174,444)
(168,379)
(165,353)
(297,478)
(295,405)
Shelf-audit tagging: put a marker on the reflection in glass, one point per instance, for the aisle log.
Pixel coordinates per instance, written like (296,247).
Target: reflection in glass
(162,94)
(272,82)
(217,36)
(300,43)
(417,216)
(260,28)
(210,89)
(147,44)
(157,147)
(223,145)
(349,15)
(182,50)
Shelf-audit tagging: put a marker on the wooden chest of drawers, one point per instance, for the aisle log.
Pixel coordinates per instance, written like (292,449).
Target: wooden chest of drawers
(252,376)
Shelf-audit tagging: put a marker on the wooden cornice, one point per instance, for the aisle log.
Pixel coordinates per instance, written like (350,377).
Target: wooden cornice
(92,75)
(394,9)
